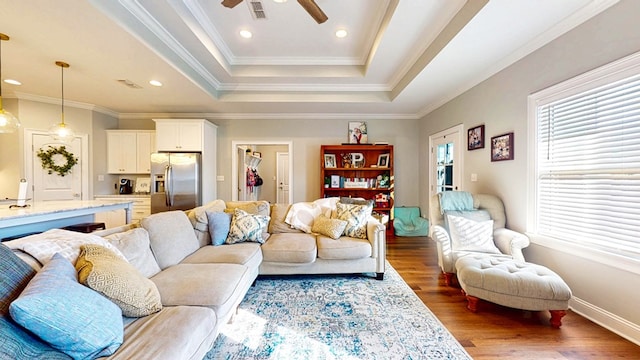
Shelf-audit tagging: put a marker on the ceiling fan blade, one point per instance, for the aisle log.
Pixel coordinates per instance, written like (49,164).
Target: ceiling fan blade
(230,3)
(314,10)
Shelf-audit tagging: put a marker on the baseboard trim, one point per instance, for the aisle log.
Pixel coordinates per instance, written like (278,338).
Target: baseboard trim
(612,322)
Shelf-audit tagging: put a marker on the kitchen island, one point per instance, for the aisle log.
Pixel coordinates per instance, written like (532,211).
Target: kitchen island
(45,215)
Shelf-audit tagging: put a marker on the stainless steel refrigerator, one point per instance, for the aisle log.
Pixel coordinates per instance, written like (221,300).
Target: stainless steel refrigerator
(176,181)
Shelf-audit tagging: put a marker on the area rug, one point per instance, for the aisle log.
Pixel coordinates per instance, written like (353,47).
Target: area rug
(335,317)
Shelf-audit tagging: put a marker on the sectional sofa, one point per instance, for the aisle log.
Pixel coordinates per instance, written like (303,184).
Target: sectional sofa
(191,283)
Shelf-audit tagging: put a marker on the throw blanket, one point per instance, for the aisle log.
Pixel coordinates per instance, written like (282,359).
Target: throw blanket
(455,200)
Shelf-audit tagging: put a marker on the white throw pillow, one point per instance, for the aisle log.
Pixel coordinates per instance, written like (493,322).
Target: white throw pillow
(470,235)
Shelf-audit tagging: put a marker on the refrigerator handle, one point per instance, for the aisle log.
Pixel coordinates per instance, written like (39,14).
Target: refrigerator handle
(168,185)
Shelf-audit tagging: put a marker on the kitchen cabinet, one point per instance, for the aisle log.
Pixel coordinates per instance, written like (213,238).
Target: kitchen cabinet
(192,135)
(129,151)
(179,135)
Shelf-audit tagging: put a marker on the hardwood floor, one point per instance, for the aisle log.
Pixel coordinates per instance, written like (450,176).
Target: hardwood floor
(496,332)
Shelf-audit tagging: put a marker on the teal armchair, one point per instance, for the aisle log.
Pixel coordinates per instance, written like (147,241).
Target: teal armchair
(407,222)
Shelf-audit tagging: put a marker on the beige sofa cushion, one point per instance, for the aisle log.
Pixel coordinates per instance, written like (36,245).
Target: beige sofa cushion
(246,253)
(297,248)
(200,222)
(177,332)
(134,245)
(277,224)
(344,248)
(217,286)
(171,236)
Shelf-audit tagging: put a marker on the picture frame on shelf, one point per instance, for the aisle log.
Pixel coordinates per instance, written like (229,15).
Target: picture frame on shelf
(502,147)
(358,132)
(335,181)
(475,138)
(330,161)
(383,161)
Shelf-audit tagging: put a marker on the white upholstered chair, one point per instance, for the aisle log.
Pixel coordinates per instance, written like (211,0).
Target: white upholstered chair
(509,242)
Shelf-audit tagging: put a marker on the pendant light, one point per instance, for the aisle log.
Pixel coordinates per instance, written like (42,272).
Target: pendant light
(60,131)
(8,122)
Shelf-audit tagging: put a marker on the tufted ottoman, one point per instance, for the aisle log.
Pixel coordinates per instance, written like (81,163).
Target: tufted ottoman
(515,284)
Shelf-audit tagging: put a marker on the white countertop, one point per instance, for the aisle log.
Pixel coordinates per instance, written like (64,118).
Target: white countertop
(44,208)
(118,196)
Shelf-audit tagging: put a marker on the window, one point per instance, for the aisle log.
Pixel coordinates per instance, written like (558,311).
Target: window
(587,160)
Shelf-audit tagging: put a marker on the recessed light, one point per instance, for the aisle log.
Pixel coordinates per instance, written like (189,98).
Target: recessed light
(280,1)
(341,33)
(246,34)
(12,82)
(155,83)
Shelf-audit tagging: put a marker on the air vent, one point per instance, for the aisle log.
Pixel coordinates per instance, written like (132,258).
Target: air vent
(129,83)
(257,10)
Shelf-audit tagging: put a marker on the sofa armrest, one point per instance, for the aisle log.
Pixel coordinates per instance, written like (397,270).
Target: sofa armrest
(510,242)
(443,245)
(377,236)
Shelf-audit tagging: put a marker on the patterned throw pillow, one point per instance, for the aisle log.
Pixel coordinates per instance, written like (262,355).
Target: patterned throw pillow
(68,316)
(247,227)
(101,270)
(356,217)
(332,228)
(470,235)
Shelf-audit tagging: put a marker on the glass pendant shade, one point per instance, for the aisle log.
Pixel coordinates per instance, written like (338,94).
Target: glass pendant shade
(8,122)
(60,131)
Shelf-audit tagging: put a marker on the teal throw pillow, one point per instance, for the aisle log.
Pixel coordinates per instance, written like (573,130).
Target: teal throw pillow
(219,225)
(67,315)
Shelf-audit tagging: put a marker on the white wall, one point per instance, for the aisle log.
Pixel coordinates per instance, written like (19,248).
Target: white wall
(501,104)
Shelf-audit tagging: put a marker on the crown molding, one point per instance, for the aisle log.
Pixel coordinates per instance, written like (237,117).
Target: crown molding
(267,116)
(67,103)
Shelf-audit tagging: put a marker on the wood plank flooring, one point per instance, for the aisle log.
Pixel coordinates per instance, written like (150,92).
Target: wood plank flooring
(496,332)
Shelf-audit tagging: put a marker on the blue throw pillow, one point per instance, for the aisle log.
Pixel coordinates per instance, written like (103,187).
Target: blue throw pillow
(67,315)
(17,343)
(219,225)
(15,275)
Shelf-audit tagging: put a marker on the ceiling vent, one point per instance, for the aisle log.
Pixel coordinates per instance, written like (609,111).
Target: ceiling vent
(257,10)
(130,84)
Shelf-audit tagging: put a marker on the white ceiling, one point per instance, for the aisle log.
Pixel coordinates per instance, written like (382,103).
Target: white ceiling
(401,58)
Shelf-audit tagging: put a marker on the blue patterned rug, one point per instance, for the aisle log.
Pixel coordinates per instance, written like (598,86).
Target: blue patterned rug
(335,317)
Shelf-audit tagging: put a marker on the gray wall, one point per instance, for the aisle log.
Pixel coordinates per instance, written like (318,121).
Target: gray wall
(501,104)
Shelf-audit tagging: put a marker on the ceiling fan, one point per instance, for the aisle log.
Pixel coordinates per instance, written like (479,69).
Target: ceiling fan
(309,5)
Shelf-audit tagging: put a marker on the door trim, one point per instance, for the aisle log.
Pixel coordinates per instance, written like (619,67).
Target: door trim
(29,151)
(456,132)
(234,163)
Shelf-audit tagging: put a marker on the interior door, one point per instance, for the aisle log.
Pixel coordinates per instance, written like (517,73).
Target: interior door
(282,177)
(445,160)
(47,187)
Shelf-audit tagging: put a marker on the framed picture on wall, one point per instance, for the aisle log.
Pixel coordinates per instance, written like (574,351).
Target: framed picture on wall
(502,147)
(475,138)
(358,132)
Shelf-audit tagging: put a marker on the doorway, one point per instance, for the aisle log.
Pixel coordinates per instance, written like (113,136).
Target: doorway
(49,187)
(273,168)
(445,160)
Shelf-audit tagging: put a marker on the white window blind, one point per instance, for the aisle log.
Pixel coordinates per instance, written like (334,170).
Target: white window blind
(588,168)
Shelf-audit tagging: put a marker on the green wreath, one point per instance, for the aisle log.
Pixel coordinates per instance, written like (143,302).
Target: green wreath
(51,167)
